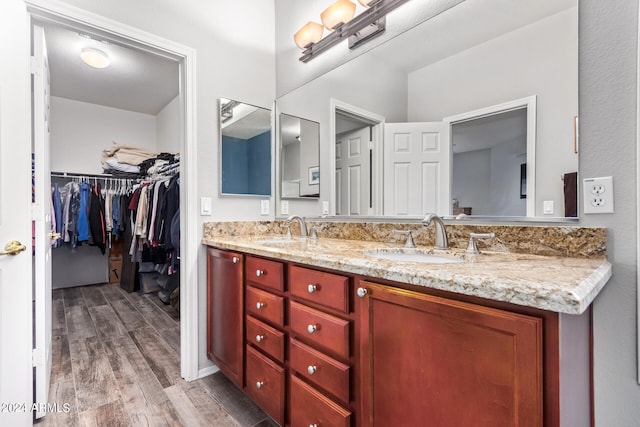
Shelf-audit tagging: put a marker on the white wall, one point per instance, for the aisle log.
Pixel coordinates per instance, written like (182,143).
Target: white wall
(608,126)
(471,180)
(539,59)
(80,131)
(313,103)
(168,128)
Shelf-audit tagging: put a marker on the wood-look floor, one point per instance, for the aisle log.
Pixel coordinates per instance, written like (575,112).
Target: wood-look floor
(116,363)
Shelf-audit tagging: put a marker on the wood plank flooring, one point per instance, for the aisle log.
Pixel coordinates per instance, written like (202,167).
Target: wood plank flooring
(116,362)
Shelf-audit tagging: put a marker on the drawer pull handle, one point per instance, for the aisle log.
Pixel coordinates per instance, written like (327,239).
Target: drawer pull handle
(311,369)
(235,259)
(362,292)
(260,338)
(260,273)
(259,305)
(259,384)
(312,288)
(312,328)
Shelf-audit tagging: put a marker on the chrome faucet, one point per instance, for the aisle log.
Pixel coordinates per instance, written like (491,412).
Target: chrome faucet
(442,242)
(301,223)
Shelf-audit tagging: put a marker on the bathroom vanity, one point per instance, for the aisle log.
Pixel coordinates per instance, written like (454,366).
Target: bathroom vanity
(338,332)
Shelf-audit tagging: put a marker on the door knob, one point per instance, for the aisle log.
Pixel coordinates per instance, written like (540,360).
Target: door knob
(13,248)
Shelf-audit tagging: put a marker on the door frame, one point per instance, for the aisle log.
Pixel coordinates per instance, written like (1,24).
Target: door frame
(377,122)
(77,18)
(530,104)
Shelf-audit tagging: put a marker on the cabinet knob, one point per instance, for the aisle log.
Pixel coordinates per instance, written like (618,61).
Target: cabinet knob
(312,288)
(235,259)
(311,369)
(312,328)
(260,338)
(313,425)
(259,384)
(259,305)
(260,273)
(362,292)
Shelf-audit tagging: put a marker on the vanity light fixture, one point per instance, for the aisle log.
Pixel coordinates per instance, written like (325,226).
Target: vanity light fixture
(310,33)
(339,13)
(338,18)
(94,57)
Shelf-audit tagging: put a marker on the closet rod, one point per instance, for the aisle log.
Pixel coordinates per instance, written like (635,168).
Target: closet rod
(89,175)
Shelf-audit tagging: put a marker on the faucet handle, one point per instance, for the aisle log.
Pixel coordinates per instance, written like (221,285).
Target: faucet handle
(472,248)
(409,243)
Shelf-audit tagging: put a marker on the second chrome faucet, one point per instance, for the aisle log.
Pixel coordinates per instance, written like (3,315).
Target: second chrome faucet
(301,223)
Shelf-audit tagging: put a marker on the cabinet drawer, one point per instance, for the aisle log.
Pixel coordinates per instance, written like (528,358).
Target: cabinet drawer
(327,289)
(266,338)
(265,383)
(265,272)
(320,369)
(326,330)
(309,407)
(265,305)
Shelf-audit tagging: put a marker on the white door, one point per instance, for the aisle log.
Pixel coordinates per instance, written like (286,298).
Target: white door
(42,219)
(417,168)
(16,385)
(353,178)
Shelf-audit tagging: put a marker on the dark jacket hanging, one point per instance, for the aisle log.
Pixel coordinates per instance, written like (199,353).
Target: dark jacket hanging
(96,219)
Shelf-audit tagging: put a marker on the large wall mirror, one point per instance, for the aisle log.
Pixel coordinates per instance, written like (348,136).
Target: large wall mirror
(245,149)
(299,157)
(471,112)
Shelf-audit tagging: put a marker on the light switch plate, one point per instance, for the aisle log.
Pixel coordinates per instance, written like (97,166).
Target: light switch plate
(547,207)
(325,207)
(284,207)
(205,206)
(264,207)
(598,195)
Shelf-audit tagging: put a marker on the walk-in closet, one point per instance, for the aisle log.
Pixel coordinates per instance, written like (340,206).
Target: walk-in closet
(114,154)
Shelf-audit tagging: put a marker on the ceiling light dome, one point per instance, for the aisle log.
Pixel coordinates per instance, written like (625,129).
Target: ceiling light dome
(94,57)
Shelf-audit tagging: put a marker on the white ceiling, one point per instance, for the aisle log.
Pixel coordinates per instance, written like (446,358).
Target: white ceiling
(135,80)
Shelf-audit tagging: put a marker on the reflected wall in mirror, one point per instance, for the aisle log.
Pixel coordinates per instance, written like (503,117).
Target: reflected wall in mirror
(474,56)
(245,149)
(299,157)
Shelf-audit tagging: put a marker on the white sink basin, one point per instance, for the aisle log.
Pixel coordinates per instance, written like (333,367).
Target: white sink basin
(412,255)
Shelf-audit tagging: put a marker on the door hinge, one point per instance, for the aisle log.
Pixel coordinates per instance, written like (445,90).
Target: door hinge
(36,66)
(37,213)
(37,357)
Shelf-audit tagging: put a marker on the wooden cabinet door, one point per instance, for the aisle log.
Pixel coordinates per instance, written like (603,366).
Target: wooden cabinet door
(225,330)
(432,361)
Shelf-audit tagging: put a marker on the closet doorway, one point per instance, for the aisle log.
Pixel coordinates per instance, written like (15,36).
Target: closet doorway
(182,108)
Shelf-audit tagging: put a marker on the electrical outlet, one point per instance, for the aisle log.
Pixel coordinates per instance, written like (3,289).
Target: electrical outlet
(325,207)
(598,195)
(284,207)
(547,207)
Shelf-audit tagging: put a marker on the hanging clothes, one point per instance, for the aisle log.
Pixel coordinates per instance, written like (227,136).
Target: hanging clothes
(96,219)
(83,214)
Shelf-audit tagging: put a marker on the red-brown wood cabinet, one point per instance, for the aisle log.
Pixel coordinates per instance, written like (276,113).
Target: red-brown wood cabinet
(225,316)
(328,348)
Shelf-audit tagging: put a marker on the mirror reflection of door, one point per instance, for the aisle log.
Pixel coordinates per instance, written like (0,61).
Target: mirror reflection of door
(417,164)
(353,168)
(488,154)
(355,147)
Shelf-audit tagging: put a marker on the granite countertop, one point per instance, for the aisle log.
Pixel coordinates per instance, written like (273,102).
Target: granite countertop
(559,284)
